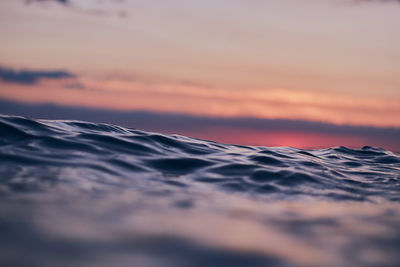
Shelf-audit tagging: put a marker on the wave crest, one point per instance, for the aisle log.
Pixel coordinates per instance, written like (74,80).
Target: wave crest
(126,156)
(90,194)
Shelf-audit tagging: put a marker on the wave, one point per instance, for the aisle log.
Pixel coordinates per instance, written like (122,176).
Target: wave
(69,183)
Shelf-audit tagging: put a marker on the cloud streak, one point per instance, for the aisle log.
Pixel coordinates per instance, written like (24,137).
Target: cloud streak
(163,95)
(90,7)
(63,2)
(31,77)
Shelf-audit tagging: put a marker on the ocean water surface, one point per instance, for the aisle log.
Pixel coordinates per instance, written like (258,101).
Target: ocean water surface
(83,194)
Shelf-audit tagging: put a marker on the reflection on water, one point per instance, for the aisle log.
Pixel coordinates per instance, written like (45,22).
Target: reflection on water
(83,194)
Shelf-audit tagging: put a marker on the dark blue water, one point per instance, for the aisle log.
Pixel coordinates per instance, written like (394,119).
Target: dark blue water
(83,194)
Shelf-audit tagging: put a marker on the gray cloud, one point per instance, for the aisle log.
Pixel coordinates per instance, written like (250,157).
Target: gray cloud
(98,8)
(30,77)
(63,2)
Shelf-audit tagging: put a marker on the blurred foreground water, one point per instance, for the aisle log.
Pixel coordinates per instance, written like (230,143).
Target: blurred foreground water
(83,194)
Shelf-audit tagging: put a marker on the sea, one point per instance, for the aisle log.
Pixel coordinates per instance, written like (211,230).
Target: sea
(76,193)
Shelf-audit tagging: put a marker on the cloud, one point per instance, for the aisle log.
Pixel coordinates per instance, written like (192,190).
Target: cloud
(30,77)
(63,2)
(91,7)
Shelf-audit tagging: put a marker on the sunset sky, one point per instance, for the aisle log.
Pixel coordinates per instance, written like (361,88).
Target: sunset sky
(322,61)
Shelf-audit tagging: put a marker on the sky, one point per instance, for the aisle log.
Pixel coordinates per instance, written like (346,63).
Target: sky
(322,61)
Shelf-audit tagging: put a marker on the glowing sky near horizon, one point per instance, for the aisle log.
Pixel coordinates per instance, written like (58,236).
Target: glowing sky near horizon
(335,61)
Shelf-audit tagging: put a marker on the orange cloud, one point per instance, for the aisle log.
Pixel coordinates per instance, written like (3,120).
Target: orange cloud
(182,97)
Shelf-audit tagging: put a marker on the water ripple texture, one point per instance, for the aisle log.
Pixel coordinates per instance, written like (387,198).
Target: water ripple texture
(84,194)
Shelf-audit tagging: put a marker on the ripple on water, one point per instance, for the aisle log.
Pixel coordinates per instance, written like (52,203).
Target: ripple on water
(85,194)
